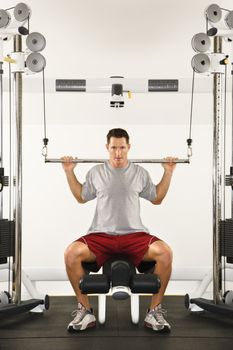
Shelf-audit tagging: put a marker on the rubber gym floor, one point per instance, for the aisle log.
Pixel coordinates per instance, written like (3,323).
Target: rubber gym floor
(30,331)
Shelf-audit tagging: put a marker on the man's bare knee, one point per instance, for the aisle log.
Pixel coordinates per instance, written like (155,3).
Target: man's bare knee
(78,251)
(159,251)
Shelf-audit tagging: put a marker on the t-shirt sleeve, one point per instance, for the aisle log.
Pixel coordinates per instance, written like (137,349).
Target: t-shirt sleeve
(148,188)
(88,188)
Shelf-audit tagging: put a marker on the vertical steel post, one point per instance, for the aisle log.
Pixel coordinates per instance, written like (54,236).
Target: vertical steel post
(1,121)
(218,181)
(1,130)
(231,169)
(17,99)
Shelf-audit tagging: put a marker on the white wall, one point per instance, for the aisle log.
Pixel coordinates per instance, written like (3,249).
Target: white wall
(147,39)
(58,219)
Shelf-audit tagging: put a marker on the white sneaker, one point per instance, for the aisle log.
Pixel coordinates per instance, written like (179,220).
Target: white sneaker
(155,319)
(83,319)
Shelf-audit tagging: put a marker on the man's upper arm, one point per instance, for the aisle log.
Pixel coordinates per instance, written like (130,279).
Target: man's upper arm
(156,200)
(148,188)
(88,191)
(82,200)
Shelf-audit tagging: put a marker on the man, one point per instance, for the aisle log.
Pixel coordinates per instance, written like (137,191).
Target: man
(117,227)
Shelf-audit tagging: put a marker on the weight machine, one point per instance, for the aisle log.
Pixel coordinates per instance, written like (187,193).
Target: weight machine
(219,28)
(14,25)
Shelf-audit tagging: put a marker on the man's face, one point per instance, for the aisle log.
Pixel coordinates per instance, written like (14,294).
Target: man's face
(118,150)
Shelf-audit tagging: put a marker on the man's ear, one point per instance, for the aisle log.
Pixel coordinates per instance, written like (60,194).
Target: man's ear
(129,146)
(107,146)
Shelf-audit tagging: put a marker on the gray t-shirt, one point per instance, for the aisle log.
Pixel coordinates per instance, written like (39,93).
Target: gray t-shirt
(117,191)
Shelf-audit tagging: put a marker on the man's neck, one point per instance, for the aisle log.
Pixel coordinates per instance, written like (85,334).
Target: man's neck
(118,166)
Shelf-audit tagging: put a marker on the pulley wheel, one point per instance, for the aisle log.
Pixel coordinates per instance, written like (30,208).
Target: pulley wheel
(21,12)
(4,18)
(200,63)
(229,20)
(35,62)
(213,13)
(36,42)
(201,42)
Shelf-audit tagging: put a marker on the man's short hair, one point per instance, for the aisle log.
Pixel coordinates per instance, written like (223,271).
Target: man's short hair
(117,132)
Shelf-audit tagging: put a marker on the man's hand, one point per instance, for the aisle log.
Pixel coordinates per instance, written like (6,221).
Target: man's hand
(169,165)
(67,163)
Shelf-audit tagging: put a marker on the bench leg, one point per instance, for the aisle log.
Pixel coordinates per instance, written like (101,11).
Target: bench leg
(134,302)
(102,308)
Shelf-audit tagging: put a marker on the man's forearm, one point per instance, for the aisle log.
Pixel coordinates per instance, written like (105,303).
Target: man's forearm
(75,186)
(163,186)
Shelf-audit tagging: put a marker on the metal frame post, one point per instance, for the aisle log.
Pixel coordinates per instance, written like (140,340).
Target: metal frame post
(1,120)
(17,99)
(231,169)
(218,180)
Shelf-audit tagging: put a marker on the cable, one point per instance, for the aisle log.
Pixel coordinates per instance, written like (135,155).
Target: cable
(45,139)
(222,8)
(206,23)
(189,140)
(28,25)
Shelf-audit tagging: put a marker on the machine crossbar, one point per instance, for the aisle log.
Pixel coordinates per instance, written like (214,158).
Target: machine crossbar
(77,160)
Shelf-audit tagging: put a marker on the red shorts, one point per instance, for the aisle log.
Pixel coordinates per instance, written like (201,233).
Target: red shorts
(132,245)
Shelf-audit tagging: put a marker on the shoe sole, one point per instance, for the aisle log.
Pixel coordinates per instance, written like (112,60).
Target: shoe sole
(165,329)
(72,329)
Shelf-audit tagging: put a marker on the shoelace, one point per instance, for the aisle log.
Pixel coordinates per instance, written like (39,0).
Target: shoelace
(159,314)
(78,312)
